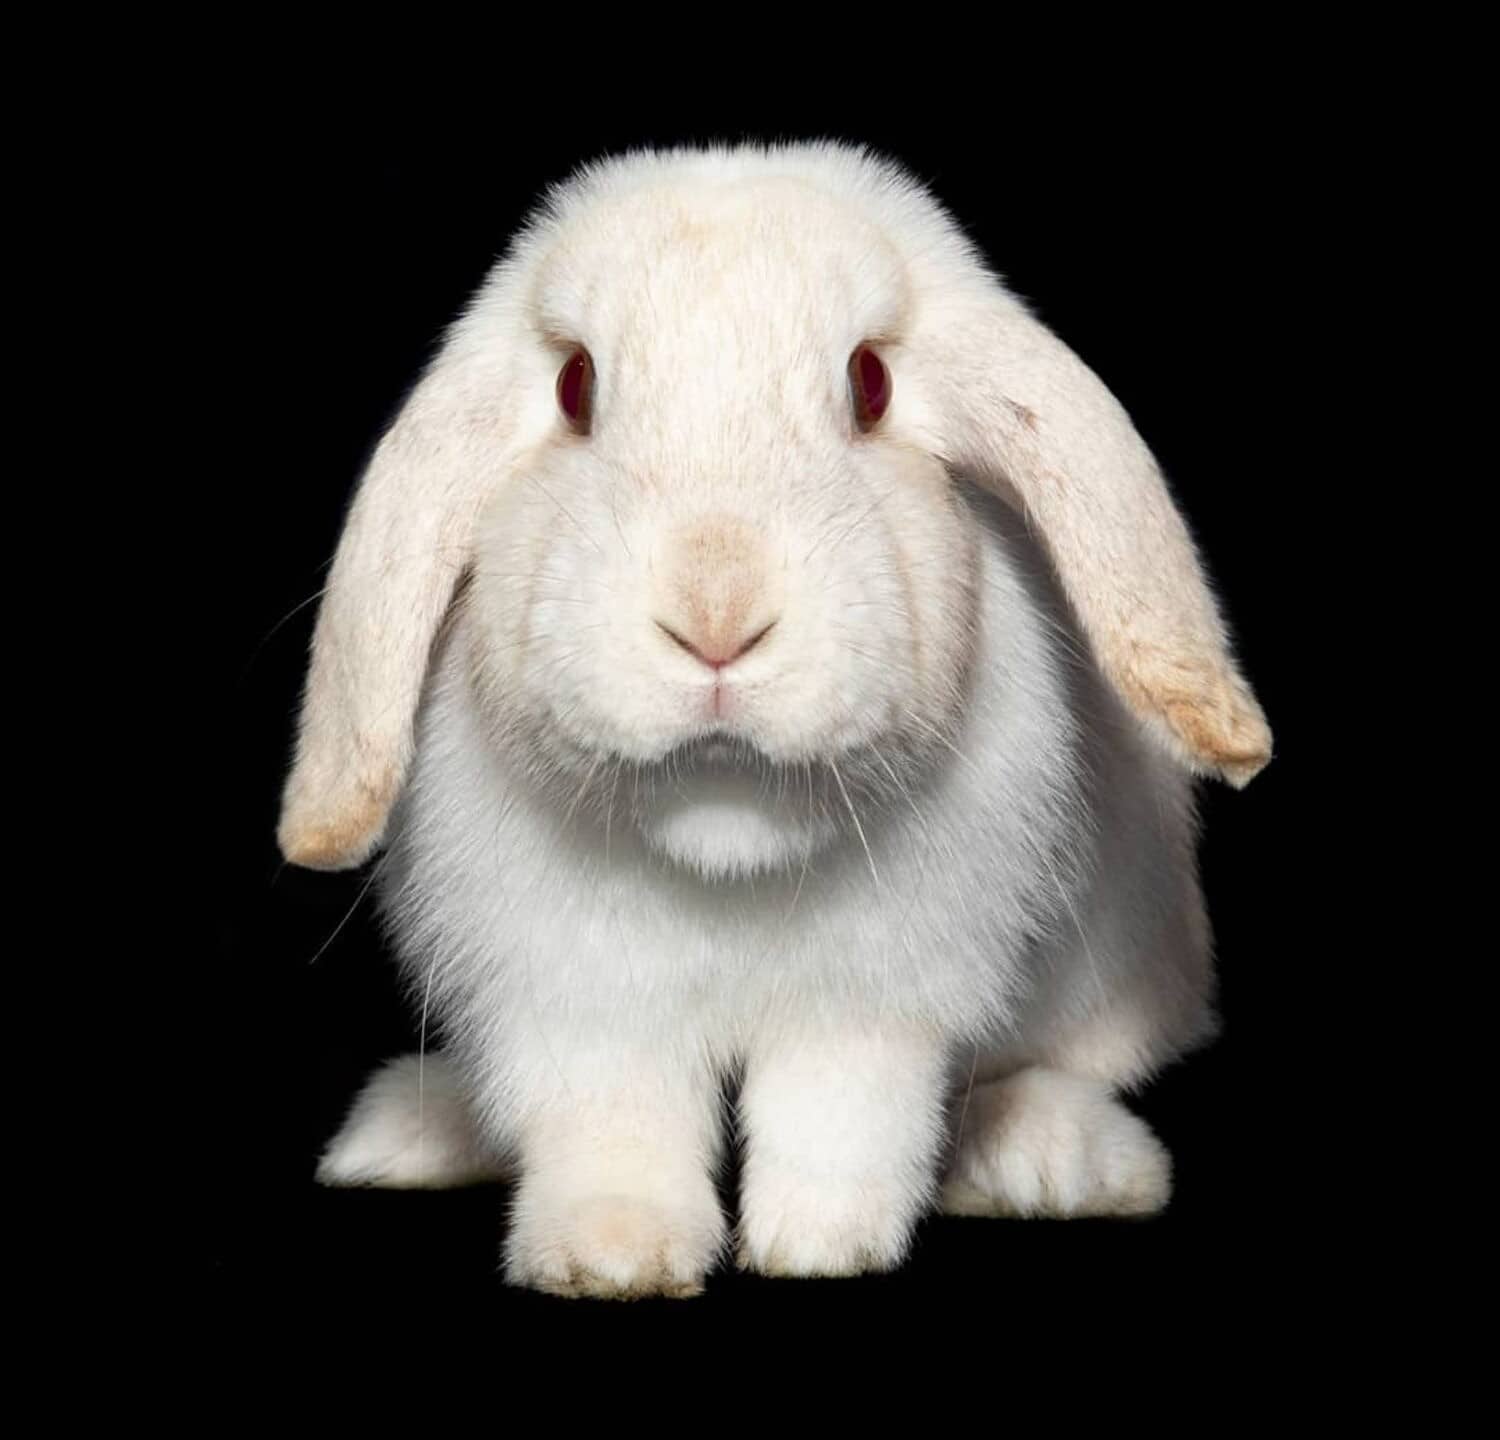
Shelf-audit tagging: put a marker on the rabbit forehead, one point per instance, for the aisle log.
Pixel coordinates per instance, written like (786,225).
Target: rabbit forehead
(741,262)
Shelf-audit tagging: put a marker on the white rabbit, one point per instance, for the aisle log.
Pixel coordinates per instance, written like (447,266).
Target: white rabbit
(728,735)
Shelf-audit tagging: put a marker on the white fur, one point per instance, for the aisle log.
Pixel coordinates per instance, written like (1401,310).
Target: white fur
(411,1129)
(1048,1143)
(908,845)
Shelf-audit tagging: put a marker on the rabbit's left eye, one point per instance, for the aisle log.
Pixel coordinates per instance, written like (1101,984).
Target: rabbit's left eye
(869,386)
(575,389)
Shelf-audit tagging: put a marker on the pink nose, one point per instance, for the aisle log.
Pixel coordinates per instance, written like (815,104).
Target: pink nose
(713,647)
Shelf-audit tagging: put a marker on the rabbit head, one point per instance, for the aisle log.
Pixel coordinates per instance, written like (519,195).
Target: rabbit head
(691,454)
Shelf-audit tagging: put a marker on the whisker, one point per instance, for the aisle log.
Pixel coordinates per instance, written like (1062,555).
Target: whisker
(968,1094)
(421,1071)
(943,740)
(568,513)
(272,632)
(859,829)
(348,914)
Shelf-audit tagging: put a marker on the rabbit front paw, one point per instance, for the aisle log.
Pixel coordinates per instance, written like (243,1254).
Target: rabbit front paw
(614,1247)
(793,1230)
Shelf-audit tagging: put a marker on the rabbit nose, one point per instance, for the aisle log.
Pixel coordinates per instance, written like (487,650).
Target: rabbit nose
(714,594)
(717,648)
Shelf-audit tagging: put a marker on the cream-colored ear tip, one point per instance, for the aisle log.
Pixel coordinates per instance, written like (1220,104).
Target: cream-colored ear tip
(1241,773)
(339,836)
(1231,740)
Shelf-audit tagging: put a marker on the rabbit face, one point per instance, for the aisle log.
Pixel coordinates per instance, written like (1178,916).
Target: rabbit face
(740,607)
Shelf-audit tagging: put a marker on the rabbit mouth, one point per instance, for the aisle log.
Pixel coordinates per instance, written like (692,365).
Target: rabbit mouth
(833,780)
(721,805)
(717,754)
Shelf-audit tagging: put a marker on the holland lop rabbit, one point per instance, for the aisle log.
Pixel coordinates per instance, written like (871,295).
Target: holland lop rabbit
(774,667)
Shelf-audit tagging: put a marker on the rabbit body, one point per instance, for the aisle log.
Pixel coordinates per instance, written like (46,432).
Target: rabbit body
(1025,922)
(762,754)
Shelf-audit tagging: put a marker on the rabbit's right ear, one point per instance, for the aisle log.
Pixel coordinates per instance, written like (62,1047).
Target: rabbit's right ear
(407,539)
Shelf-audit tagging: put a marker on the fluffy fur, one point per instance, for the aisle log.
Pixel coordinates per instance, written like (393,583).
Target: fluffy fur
(912,875)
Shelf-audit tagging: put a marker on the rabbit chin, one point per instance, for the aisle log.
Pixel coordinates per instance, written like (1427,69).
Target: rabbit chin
(727,825)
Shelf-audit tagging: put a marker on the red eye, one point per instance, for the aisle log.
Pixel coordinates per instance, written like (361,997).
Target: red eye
(575,390)
(870,385)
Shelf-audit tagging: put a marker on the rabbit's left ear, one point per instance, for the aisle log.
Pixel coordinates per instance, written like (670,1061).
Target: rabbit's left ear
(1013,407)
(407,539)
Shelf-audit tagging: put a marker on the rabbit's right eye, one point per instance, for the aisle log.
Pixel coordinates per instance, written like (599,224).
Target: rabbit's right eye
(575,389)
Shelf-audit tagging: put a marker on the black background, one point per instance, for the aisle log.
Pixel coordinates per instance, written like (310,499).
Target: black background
(1166,237)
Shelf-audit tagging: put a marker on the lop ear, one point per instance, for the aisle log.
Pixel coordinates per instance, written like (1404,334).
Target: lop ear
(1018,411)
(406,540)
